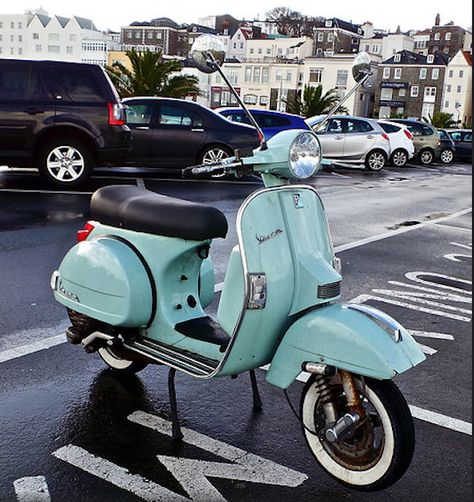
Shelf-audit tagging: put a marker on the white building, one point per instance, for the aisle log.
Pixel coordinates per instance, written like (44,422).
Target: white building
(396,42)
(457,95)
(35,35)
(281,48)
(421,39)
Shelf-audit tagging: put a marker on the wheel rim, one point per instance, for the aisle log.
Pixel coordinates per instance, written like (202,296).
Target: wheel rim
(399,159)
(447,156)
(376,161)
(351,460)
(65,163)
(214,155)
(112,360)
(426,157)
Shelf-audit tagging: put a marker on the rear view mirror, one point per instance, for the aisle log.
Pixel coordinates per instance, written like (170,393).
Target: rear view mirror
(207,52)
(361,66)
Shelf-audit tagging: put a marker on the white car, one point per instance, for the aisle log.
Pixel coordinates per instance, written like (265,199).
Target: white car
(352,140)
(401,142)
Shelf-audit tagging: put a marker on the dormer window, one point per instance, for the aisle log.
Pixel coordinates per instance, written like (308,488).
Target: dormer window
(397,58)
(430,59)
(328,23)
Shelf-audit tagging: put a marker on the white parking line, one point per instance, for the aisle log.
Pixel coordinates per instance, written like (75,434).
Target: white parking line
(32,489)
(31,348)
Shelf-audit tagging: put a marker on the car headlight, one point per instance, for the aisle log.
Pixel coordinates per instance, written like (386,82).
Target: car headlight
(305,155)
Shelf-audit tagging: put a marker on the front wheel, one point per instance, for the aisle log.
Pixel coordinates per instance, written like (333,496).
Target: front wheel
(380,449)
(213,154)
(376,160)
(426,157)
(399,158)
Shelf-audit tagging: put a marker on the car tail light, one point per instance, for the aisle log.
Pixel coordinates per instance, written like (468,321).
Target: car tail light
(84,233)
(385,136)
(408,134)
(116,114)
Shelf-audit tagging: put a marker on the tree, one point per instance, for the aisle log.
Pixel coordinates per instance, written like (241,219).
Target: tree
(152,76)
(441,120)
(291,22)
(314,102)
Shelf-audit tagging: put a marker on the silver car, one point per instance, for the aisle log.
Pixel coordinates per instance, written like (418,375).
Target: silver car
(353,140)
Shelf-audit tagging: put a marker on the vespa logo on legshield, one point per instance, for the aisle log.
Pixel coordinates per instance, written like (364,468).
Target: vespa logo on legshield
(67,294)
(264,238)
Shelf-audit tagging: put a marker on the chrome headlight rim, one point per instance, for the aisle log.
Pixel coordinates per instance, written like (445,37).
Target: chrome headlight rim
(304,158)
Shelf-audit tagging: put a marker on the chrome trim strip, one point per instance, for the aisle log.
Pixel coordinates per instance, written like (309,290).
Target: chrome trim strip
(389,325)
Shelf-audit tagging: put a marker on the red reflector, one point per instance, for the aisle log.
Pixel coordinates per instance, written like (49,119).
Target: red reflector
(116,114)
(385,136)
(408,134)
(84,233)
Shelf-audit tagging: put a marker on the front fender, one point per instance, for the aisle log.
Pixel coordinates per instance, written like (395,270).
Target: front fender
(341,336)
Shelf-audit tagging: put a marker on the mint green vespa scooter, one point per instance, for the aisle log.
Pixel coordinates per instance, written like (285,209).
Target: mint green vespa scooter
(137,284)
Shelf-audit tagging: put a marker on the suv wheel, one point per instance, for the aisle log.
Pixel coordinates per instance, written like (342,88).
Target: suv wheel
(399,158)
(426,157)
(65,162)
(376,160)
(447,156)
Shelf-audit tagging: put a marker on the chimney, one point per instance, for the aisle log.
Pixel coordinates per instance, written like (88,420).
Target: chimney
(437,20)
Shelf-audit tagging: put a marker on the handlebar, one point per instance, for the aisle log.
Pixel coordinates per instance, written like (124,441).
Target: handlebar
(216,170)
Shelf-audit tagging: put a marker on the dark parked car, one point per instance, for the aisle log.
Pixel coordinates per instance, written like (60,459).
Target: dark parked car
(448,148)
(63,118)
(425,138)
(175,133)
(463,143)
(271,122)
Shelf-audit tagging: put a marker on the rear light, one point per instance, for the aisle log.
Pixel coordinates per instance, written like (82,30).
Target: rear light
(116,114)
(408,134)
(385,136)
(84,233)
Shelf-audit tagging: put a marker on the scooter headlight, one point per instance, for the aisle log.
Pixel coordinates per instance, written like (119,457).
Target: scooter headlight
(305,155)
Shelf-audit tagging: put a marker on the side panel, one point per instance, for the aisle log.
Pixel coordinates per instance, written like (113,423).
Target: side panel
(347,339)
(104,279)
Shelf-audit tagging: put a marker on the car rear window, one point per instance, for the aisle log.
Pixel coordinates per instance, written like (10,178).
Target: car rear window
(467,136)
(443,134)
(390,128)
(73,83)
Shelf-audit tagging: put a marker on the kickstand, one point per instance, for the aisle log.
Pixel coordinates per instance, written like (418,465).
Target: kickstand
(257,402)
(176,428)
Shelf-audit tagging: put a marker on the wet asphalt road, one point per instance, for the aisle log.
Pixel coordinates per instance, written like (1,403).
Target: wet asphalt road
(62,397)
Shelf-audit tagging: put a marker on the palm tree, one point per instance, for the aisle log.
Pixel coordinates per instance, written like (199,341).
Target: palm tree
(152,76)
(314,102)
(441,120)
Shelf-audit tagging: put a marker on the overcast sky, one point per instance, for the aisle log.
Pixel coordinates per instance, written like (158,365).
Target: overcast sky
(385,14)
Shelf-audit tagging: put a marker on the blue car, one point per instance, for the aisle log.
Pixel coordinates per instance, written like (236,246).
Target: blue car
(271,122)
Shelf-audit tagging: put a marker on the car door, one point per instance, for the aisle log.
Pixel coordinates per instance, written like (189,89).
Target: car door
(463,142)
(331,138)
(25,107)
(141,118)
(360,139)
(180,134)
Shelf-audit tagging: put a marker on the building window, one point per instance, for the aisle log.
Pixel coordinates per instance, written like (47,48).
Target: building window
(279,75)
(264,100)
(20,50)
(435,74)
(398,73)
(269,51)
(319,52)
(248,74)
(241,45)
(149,35)
(427,110)
(386,94)
(415,89)
(256,75)
(437,36)
(320,36)
(448,88)
(386,72)
(446,104)
(54,49)
(12,25)
(330,37)
(461,73)
(20,38)
(265,75)
(54,37)
(252,50)
(402,92)
(430,92)
(397,58)
(430,58)
(315,75)
(342,77)
(459,88)
(423,73)
(36,36)
(384,112)
(447,36)
(137,35)
(451,73)
(260,50)
(250,99)
(38,48)
(289,75)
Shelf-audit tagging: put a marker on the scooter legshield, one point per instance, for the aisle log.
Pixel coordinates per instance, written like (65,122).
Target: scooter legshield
(106,279)
(341,336)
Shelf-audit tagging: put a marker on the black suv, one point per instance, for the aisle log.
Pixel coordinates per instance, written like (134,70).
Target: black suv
(63,118)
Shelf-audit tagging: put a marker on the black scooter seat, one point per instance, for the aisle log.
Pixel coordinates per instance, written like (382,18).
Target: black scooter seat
(133,208)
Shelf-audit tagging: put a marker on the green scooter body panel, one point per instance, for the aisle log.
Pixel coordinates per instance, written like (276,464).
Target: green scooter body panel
(339,336)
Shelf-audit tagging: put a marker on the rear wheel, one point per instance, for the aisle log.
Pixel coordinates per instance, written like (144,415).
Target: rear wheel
(65,162)
(379,449)
(399,158)
(375,161)
(447,156)
(426,157)
(118,363)
(214,153)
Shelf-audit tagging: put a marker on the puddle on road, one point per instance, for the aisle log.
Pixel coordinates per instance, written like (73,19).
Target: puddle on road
(411,223)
